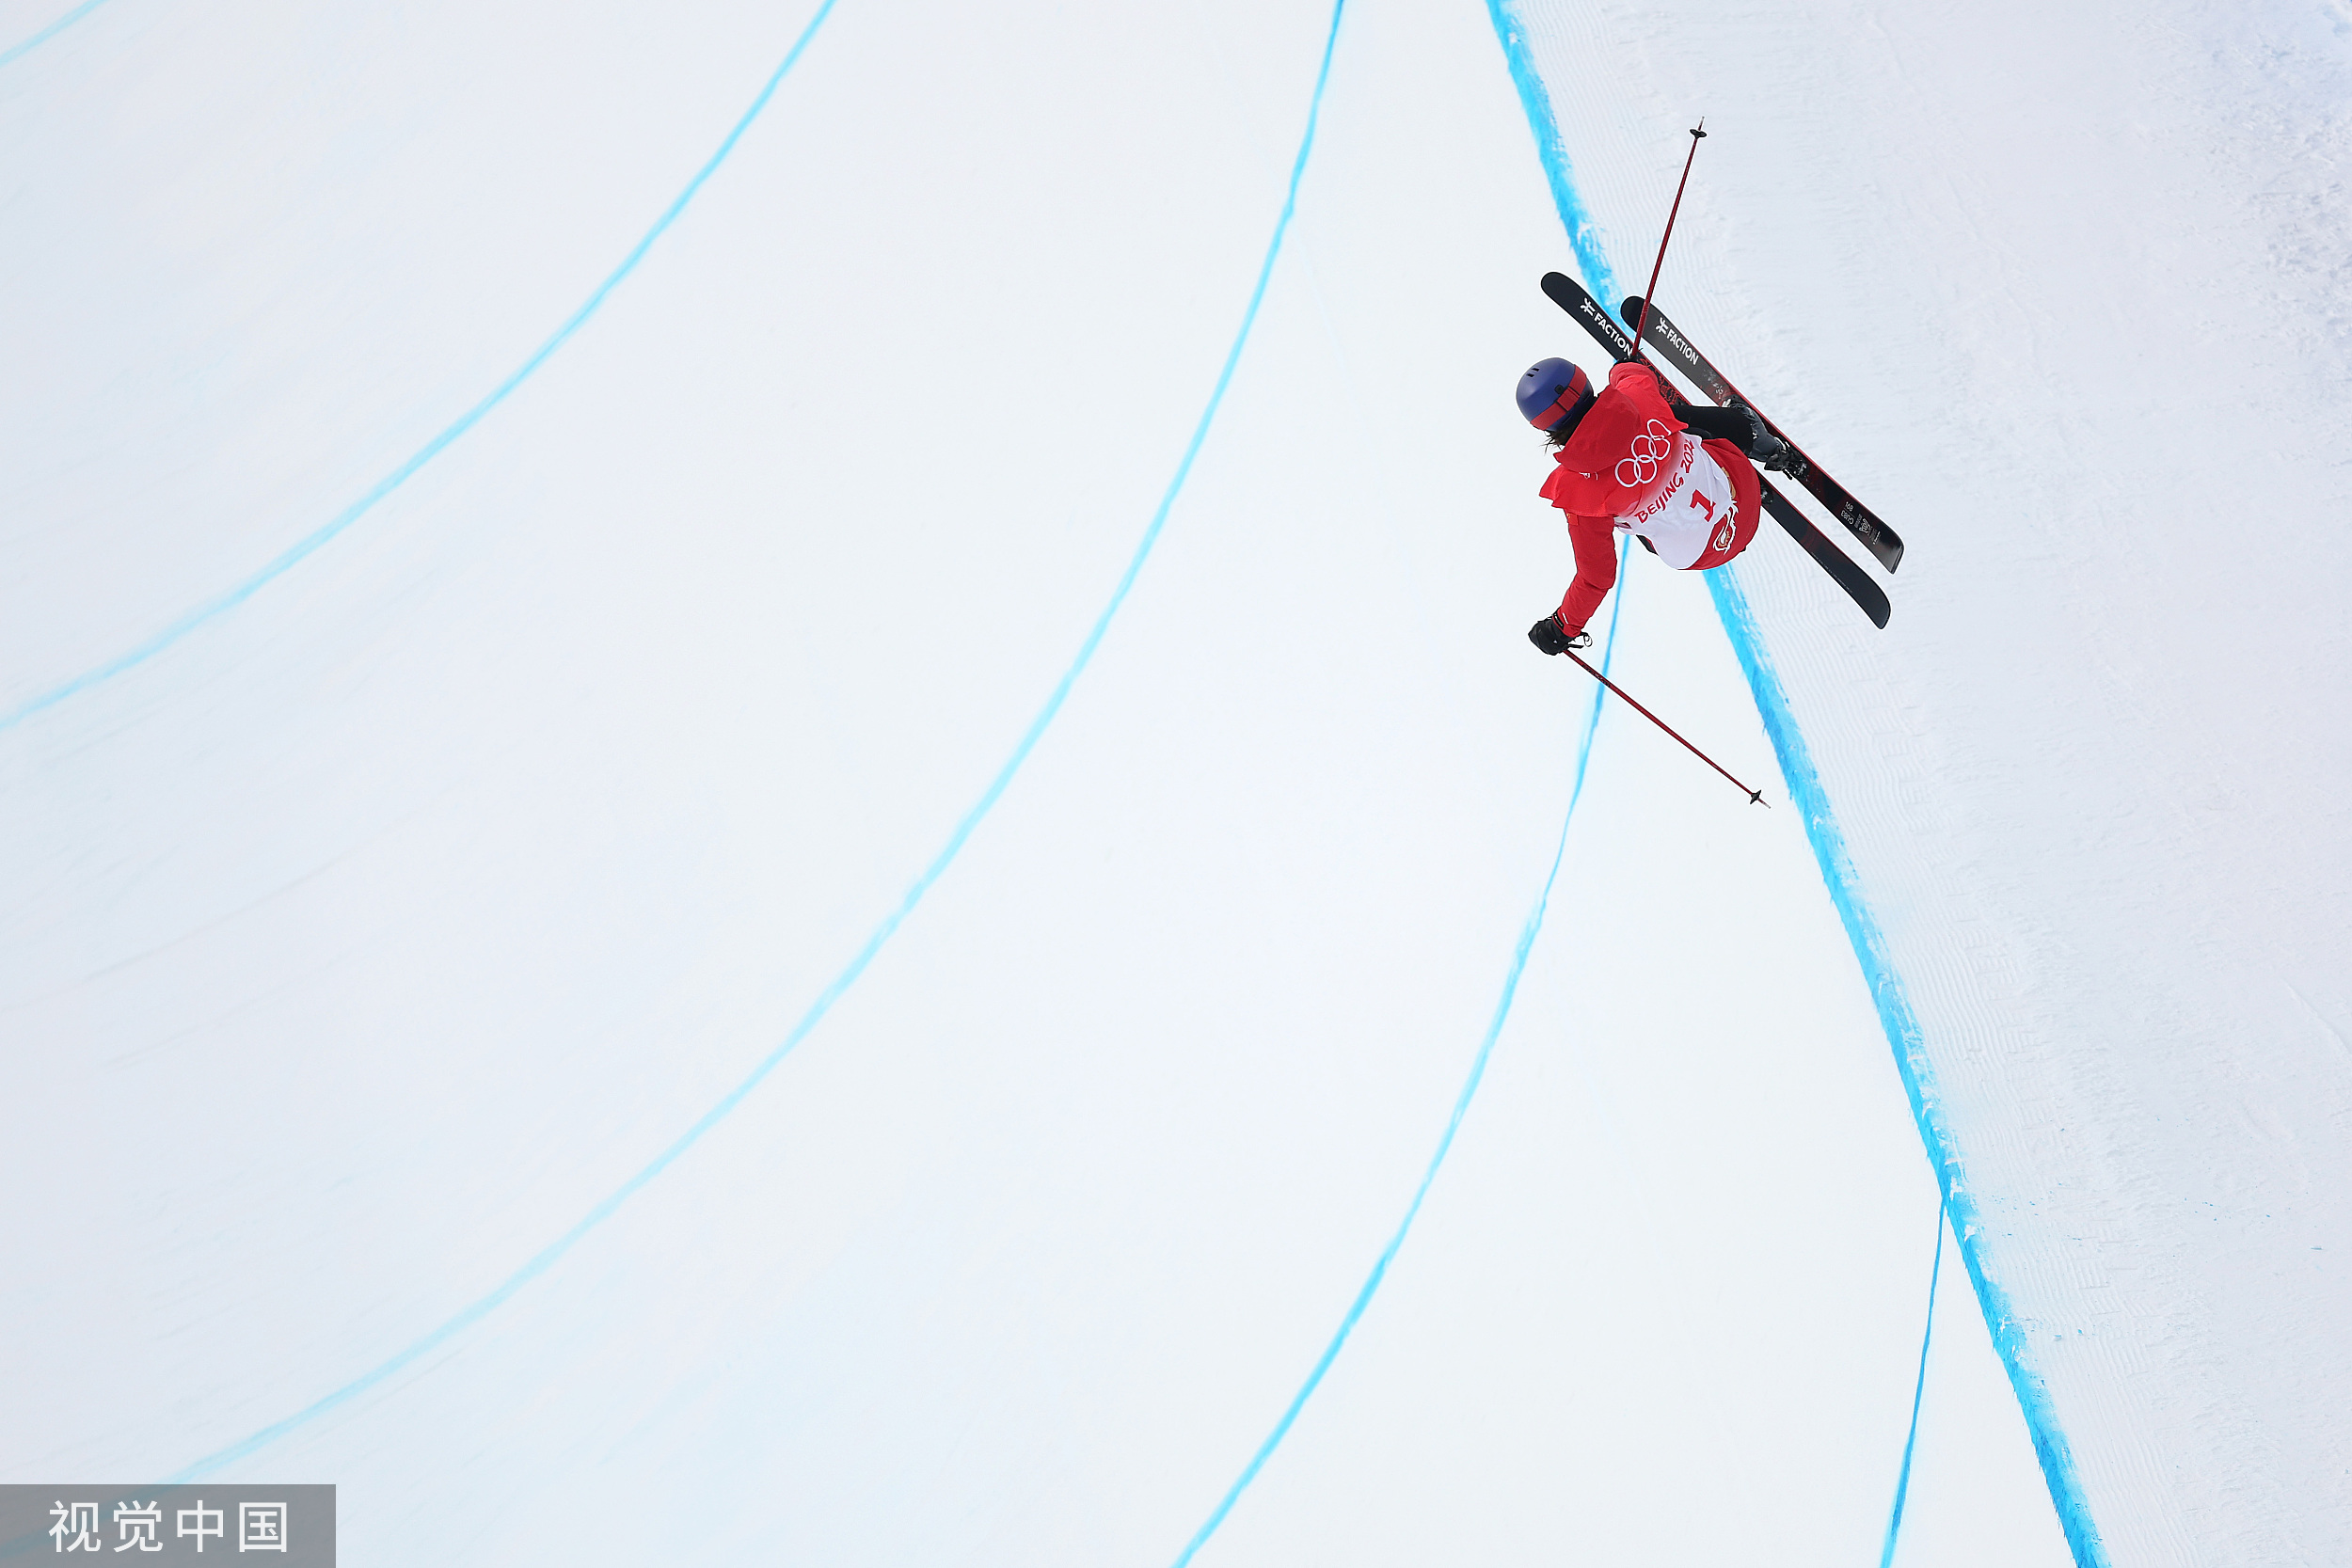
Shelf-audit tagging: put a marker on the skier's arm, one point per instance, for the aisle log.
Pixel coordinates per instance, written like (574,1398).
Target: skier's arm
(1596,543)
(1641,381)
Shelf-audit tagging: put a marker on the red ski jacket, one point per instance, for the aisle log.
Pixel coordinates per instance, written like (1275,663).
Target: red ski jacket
(1628,456)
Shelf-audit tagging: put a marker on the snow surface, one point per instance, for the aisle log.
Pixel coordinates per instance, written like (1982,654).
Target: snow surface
(368,933)
(2088,778)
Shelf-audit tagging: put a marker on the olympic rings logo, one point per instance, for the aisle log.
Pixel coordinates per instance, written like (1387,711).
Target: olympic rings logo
(1649,449)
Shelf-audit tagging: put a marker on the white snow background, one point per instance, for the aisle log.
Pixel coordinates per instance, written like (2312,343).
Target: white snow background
(362,937)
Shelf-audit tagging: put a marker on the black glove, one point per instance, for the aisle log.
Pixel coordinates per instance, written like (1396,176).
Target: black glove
(1551,637)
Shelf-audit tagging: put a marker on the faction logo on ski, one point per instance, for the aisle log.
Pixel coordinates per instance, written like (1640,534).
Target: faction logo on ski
(1597,322)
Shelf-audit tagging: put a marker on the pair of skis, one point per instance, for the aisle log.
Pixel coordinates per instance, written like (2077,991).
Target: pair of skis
(1875,536)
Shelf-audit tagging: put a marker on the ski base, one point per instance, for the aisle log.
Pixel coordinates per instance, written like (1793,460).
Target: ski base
(1841,567)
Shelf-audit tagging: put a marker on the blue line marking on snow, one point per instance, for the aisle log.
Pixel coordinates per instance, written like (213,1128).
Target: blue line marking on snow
(16,52)
(1461,1108)
(426,453)
(1903,1032)
(1895,1016)
(548,1256)
(1918,1396)
(1535,100)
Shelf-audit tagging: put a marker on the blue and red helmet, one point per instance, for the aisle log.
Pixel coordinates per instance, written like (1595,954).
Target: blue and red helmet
(1554,393)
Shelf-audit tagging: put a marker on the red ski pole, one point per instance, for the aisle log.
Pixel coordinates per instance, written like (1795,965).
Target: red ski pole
(1755,797)
(1649,294)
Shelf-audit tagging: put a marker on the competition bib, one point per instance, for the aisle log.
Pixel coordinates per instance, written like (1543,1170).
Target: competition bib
(1692,521)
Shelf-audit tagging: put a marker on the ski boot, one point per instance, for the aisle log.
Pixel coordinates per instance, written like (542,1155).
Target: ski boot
(1765,447)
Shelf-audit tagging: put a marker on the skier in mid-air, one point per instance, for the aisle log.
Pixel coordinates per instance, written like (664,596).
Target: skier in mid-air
(1630,456)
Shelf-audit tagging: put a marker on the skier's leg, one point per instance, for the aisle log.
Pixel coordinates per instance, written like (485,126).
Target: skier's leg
(1735,422)
(1737,522)
(1715,424)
